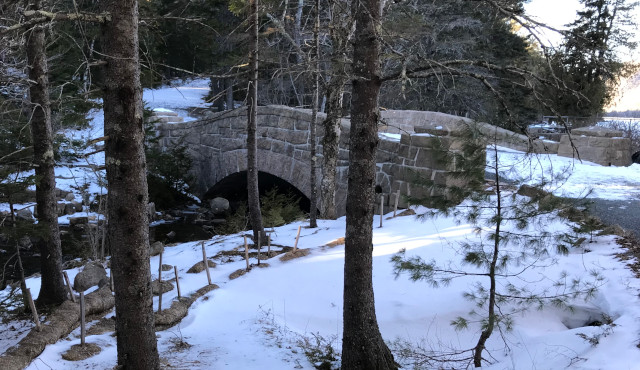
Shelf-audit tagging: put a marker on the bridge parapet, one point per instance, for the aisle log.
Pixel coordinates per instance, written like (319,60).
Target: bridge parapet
(217,145)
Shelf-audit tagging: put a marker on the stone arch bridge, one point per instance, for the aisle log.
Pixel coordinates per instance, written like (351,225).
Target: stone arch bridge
(217,145)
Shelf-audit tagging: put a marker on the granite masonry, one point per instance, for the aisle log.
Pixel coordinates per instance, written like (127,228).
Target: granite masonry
(406,148)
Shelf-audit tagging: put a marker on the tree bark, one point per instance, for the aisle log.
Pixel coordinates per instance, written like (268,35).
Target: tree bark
(313,211)
(339,30)
(362,343)
(52,291)
(252,146)
(128,229)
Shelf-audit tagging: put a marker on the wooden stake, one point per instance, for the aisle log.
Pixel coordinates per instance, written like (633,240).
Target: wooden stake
(381,208)
(66,278)
(269,245)
(82,325)
(395,206)
(295,246)
(160,284)
(206,265)
(175,270)
(36,320)
(259,245)
(246,252)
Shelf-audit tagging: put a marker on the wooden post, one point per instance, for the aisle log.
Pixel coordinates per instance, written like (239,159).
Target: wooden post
(246,252)
(381,208)
(175,270)
(66,279)
(395,206)
(160,284)
(295,246)
(206,264)
(259,245)
(269,245)
(82,326)
(36,320)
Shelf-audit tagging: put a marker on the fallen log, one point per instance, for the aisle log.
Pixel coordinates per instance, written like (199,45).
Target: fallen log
(179,309)
(60,323)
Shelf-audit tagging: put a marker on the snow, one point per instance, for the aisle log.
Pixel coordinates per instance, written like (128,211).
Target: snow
(257,321)
(575,179)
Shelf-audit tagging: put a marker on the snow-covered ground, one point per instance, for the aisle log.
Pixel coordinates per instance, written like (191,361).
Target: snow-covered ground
(259,320)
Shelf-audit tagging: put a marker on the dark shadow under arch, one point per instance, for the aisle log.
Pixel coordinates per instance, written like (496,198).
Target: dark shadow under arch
(234,188)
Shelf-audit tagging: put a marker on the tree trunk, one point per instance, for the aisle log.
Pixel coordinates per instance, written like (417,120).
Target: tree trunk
(330,147)
(362,343)
(313,211)
(252,146)
(128,229)
(339,30)
(52,289)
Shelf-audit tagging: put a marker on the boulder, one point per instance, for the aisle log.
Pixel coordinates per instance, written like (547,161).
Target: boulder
(156,248)
(75,221)
(70,197)
(151,211)
(69,209)
(218,205)
(24,214)
(25,242)
(91,275)
(61,209)
(166,267)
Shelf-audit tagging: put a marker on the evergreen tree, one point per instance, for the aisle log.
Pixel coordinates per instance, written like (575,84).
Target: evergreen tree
(588,60)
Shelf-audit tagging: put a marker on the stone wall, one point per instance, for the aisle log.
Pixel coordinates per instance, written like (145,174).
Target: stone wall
(597,144)
(405,121)
(217,145)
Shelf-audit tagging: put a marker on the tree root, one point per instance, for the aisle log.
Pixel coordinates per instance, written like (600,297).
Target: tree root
(60,323)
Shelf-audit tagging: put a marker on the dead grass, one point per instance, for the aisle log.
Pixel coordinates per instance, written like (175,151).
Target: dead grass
(293,255)
(78,352)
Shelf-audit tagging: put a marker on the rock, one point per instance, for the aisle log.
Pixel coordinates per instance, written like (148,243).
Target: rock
(93,274)
(61,194)
(199,267)
(60,209)
(166,267)
(166,287)
(70,197)
(24,214)
(218,205)
(156,248)
(75,221)
(69,209)
(86,199)
(25,242)
(171,234)
(151,211)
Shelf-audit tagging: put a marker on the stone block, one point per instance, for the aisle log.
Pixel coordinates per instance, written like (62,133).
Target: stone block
(298,137)
(264,143)
(302,125)
(596,131)
(232,144)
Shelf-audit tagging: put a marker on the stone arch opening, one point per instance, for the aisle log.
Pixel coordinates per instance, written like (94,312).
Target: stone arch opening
(234,189)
